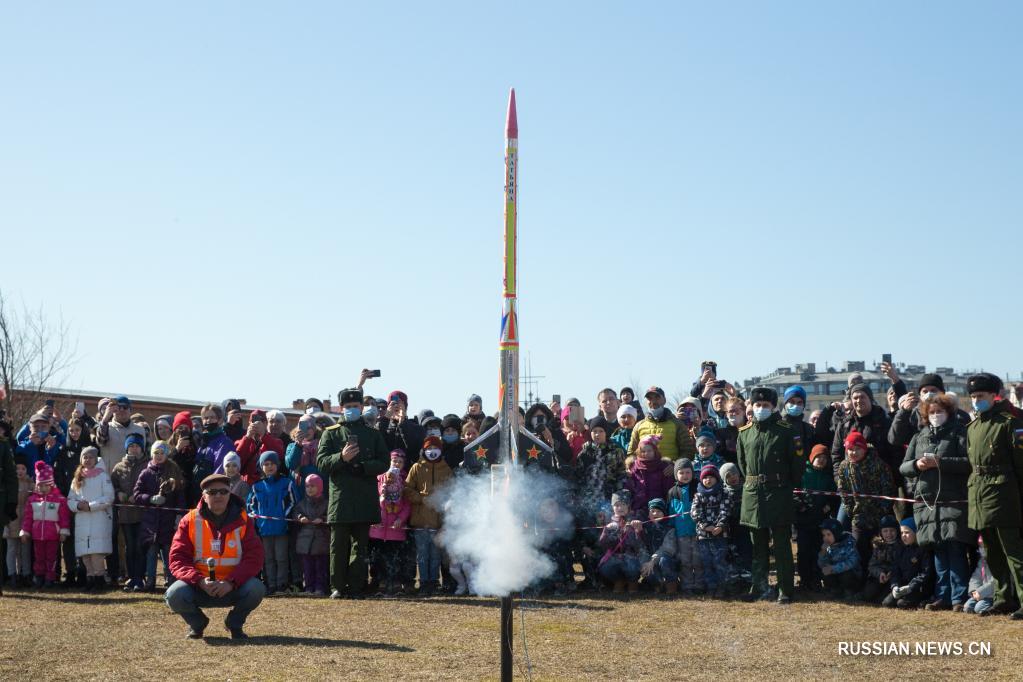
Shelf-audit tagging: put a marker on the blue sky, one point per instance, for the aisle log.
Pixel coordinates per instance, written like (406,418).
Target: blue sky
(259,199)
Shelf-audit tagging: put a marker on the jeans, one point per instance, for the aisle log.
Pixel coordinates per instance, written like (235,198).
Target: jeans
(977,605)
(427,556)
(275,561)
(620,567)
(952,571)
(186,601)
(152,551)
(19,557)
(714,557)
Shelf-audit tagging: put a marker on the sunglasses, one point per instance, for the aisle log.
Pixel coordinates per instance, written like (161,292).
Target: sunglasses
(217,491)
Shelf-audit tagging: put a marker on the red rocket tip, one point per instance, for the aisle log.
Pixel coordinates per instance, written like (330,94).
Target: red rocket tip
(511,126)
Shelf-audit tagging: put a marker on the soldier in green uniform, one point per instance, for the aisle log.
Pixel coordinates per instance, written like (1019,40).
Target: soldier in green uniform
(351,455)
(768,458)
(994,445)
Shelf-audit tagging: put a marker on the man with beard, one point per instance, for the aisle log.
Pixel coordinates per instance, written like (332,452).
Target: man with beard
(676,441)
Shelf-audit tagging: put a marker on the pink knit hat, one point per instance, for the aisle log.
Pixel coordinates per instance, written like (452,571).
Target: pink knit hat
(315,481)
(44,473)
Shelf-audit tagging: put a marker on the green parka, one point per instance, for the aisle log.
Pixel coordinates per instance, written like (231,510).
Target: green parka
(768,459)
(352,485)
(994,445)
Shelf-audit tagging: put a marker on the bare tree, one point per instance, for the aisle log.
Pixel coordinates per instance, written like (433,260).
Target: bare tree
(36,354)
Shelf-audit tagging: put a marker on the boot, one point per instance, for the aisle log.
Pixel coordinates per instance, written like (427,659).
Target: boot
(671,588)
(619,587)
(633,586)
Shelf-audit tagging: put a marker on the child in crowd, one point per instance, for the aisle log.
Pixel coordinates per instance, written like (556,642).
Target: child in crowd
(387,538)
(913,574)
(810,511)
(553,524)
(706,451)
(981,587)
(648,475)
(160,485)
(45,522)
(313,539)
(91,498)
(622,543)
(711,508)
(64,467)
(680,502)
(882,561)
(862,471)
(273,496)
(129,518)
(740,548)
(626,422)
(300,457)
(599,471)
(424,479)
(661,545)
(19,555)
(838,560)
(238,486)
(575,432)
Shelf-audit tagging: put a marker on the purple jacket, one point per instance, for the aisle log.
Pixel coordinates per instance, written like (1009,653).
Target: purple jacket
(158,521)
(214,449)
(648,480)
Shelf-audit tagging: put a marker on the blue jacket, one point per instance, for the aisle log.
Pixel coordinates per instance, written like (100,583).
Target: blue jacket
(680,501)
(272,497)
(699,462)
(37,453)
(841,556)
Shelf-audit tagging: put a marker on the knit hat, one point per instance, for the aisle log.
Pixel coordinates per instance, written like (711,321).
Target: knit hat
(855,439)
(183,418)
(475,399)
(819,450)
(832,525)
(428,417)
(165,418)
(398,396)
(159,446)
(232,457)
(432,442)
(889,521)
(710,469)
(399,453)
(269,456)
(257,416)
(932,380)
(134,439)
(985,381)
(795,391)
(909,523)
(621,497)
(657,503)
(627,409)
(451,421)
(765,393)
(683,463)
(44,473)
(313,480)
(651,440)
(861,388)
(706,436)
(727,469)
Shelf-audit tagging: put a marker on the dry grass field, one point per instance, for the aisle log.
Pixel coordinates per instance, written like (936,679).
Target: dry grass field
(115,637)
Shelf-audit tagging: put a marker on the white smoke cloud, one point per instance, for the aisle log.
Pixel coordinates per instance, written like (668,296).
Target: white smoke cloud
(491,522)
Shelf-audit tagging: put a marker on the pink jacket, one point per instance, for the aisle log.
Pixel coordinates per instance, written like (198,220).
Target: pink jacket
(46,517)
(390,512)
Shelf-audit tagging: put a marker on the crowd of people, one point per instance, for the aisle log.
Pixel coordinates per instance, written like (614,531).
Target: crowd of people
(915,502)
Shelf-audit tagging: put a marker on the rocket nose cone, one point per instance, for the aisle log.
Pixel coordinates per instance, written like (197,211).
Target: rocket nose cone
(511,126)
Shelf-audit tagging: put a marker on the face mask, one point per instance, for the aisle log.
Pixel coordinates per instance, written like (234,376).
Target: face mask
(432,454)
(981,405)
(211,427)
(369,414)
(938,419)
(658,412)
(433,432)
(794,410)
(734,420)
(539,422)
(928,396)
(762,413)
(450,437)
(352,414)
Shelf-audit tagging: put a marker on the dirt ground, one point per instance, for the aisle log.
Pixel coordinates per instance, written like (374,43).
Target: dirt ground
(117,636)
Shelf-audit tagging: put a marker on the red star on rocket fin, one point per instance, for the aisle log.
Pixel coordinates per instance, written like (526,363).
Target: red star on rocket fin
(533,452)
(481,452)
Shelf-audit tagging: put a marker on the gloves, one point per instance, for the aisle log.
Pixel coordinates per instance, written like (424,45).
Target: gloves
(900,592)
(157,500)
(613,526)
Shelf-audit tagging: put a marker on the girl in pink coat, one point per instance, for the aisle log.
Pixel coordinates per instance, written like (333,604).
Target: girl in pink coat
(46,522)
(387,538)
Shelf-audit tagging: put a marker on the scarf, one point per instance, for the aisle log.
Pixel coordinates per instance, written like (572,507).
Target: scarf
(92,473)
(309,448)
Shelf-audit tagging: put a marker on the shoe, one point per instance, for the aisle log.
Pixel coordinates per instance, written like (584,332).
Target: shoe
(671,589)
(998,609)
(957,608)
(619,587)
(1017,614)
(129,586)
(336,595)
(49,585)
(938,605)
(906,604)
(784,599)
(633,587)
(461,590)
(236,633)
(37,582)
(720,593)
(196,633)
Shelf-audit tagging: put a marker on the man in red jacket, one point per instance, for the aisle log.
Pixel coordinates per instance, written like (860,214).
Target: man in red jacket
(254,443)
(216,557)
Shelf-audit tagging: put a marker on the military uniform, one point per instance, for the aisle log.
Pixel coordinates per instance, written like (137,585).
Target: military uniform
(994,445)
(353,500)
(768,458)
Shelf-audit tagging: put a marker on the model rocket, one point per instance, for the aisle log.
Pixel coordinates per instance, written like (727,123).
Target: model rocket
(508,423)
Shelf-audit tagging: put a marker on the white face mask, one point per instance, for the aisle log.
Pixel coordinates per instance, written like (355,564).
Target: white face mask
(928,396)
(432,454)
(735,420)
(938,419)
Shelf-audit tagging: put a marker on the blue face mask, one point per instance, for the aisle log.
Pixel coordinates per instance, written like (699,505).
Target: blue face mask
(794,410)
(450,437)
(981,405)
(762,413)
(369,414)
(352,414)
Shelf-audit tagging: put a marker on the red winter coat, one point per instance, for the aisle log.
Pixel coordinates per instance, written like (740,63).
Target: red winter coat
(390,513)
(46,517)
(182,552)
(249,451)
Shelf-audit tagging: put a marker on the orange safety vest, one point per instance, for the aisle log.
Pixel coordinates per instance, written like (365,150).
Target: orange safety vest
(204,539)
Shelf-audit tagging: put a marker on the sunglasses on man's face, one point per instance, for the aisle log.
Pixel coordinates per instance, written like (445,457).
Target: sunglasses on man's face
(217,491)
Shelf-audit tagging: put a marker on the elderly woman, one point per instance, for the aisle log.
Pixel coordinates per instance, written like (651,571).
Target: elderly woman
(937,463)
